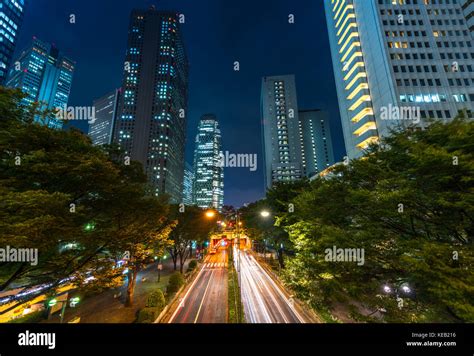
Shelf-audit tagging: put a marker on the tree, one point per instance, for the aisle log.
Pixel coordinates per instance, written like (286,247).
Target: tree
(50,181)
(408,203)
(192,225)
(279,202)
(80,205)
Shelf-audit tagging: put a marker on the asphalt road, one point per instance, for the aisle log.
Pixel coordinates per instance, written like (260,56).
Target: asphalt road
(205,301)
(264,301)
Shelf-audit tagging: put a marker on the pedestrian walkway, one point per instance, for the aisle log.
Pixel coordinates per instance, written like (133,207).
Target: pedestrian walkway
(211,265)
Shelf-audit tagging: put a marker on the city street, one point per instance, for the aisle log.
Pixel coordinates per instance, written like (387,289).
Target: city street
(205,301)
(263,300)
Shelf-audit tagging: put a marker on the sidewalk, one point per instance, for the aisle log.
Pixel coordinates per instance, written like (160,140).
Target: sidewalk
(104,308)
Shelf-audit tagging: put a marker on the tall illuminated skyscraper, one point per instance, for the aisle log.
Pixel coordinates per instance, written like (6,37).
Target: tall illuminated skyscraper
(208,187)
(316,141)
(151,127)
(106,111)
(188,184)
(280,128)
(11,17)
(45,75)
(398,62)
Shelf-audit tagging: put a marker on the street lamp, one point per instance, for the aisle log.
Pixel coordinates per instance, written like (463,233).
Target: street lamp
(401,288)
(210,214)
(265,213)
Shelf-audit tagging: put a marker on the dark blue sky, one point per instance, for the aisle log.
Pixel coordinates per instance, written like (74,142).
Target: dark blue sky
(216,33)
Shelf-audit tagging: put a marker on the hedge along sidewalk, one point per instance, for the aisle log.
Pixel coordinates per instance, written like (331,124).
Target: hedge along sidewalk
(171,304)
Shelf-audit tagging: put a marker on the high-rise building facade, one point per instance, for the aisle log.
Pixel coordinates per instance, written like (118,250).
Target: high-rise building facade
(280,129)
(396,63)
(106,111)
(45,75)
(188,184)
(151,127)
(208,187)
(468,9)
(316,141)
(11,17)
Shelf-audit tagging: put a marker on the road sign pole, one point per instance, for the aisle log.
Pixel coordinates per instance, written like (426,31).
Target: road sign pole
(63,310)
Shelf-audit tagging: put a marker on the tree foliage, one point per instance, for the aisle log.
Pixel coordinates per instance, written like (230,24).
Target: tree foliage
(408,203)
(80,205)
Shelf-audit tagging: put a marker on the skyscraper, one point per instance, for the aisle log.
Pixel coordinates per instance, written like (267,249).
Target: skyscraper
(396,63)
(45,75)
(468,9)
(151,127)
(208,187)
(106,111)
(11,17)
(316,141)
(281,137)
(188,184)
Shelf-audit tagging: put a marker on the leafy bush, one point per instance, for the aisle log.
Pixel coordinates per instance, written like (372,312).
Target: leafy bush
(192,265)
(156,299)
(175,282)
(148,315)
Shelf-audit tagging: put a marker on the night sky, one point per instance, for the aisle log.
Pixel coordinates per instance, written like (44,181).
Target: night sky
(216,33)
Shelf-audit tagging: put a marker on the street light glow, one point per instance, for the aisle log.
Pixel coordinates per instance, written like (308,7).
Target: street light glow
(265,214)
(387,289)
(406,289)
(210,214)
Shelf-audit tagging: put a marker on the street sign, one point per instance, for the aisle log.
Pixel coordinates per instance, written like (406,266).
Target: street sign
(52,302)
(74,301)
(160,267)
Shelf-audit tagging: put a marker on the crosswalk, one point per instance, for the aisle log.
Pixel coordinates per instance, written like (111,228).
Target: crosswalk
(216,264)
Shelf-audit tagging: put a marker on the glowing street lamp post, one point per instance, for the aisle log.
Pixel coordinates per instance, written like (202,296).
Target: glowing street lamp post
(265,214)
(401,288)
(72,303)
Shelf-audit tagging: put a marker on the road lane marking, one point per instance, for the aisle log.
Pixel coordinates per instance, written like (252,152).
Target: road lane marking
(186,295)
(203,297)
(255,293)
(281,293)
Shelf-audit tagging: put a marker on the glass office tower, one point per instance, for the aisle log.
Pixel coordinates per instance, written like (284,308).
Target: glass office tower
(398,62)
(11,17)
(188,184)
(45,75)
(106,111)
(280,128)
(315,137)
(151,127)
(208,187)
